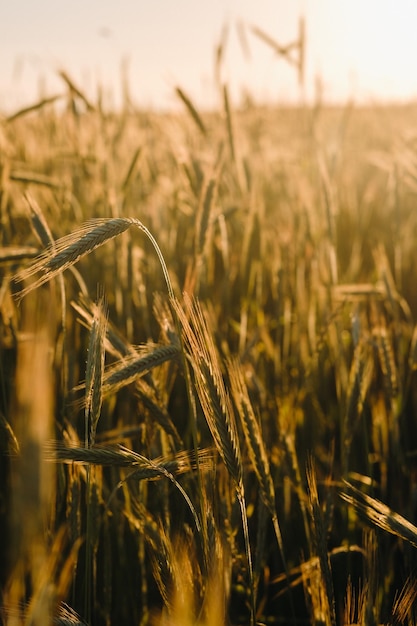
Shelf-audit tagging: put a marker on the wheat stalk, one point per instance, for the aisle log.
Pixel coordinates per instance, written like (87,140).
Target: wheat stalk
(32,107)
(192,111)
(257,453)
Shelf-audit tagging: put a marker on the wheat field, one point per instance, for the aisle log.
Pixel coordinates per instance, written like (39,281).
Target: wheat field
(208,358)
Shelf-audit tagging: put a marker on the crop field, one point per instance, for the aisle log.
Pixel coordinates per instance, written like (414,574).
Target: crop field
(208,356)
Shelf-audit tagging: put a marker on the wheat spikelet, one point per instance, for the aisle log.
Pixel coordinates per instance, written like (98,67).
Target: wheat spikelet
(97,455)
(10,444)
(193,599)
(52,584)
(84,241)
(63,616)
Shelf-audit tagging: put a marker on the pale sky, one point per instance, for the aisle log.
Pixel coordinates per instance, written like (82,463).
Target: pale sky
(361,49)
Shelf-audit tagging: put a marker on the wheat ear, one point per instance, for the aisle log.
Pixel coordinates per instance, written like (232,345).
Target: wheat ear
(94,372)
(380,514)
(217,408)
(210,387)
(126,371)
(65,252)
(255,444)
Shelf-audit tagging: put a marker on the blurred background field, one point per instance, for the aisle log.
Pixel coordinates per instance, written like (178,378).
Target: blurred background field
(208,376)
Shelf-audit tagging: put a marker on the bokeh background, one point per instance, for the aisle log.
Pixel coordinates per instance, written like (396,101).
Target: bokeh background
(365,51)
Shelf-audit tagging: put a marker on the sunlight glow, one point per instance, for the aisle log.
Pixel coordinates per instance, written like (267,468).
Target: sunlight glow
(360,50)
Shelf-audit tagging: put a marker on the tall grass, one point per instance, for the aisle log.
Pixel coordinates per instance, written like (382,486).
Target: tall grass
(225,433)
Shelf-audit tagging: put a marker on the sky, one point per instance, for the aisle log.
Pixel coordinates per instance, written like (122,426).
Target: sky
(365,50)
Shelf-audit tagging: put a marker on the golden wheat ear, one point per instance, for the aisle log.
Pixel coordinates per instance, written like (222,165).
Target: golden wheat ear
(379,514)
(217,408)
(68,250)
(212,394)
(94,372)
(255,444)
(126,371)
